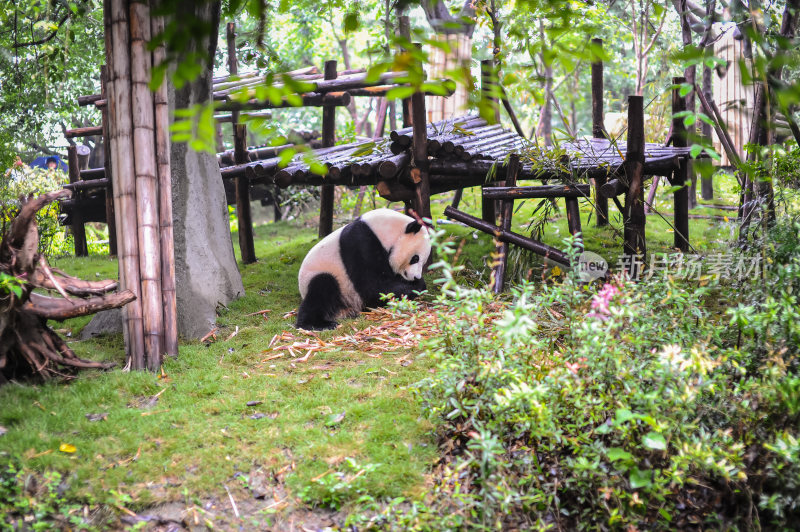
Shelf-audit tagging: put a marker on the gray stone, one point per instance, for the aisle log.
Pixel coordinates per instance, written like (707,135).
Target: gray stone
(104,322)
(205,267)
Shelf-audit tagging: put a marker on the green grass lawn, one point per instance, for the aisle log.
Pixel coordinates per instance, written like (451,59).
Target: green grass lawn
(195,439)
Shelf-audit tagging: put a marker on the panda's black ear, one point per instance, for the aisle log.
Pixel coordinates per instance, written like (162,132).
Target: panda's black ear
(413,227)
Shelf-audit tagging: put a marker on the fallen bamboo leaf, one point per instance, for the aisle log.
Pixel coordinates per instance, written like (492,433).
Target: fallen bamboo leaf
(234,333)
(260,312)
(212,332)
(153,412)
(273,357)
(334,419)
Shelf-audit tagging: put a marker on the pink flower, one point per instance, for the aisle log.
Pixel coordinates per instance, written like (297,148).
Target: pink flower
(602,299)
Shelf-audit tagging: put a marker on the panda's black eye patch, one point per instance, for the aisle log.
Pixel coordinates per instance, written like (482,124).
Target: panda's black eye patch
(414,259)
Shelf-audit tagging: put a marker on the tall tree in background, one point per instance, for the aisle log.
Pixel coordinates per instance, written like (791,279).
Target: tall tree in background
(206,273)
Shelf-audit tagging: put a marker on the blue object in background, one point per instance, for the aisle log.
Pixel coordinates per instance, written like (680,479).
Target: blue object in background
(41,162)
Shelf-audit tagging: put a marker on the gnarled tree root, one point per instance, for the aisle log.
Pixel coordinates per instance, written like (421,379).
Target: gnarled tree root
(27,344)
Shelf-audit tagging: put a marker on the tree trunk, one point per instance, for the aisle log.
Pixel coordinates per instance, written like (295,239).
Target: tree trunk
(205,267)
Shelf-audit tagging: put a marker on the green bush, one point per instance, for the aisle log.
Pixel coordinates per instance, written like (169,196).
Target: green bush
(621,405)
(23,181)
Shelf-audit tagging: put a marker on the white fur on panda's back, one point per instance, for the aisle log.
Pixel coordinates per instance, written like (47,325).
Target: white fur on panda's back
(324,257)
(388,225)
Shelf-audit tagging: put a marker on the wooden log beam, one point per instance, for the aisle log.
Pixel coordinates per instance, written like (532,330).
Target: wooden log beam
(82,185)
(328,140)
(83,132)
(544,191)
(72,285)
(508,236)
(92,174)
(681,175)
(243,213)
(634,230)
(90,99)
(57,308)
(335,99)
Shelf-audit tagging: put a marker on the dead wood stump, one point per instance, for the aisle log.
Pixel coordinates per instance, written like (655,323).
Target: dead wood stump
(28,346)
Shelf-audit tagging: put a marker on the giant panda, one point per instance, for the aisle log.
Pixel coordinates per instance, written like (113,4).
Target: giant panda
(380,252)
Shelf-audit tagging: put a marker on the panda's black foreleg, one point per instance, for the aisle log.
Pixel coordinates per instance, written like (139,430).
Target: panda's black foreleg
(322,304)
(400,287)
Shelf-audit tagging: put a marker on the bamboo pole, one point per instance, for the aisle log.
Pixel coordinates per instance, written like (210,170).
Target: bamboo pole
(508,236)
(634,231)
(111,223)
(328,139)
(681,175)
(78,230)
(598,132)
(245,218)
(144,155)
(121,131)
(166,237)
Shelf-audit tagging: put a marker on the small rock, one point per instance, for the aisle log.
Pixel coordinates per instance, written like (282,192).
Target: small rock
(254,403)
(258,415)
(102,416)
(259,484)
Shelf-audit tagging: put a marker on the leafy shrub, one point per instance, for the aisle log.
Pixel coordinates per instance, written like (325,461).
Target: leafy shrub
(23,181)
(621,405)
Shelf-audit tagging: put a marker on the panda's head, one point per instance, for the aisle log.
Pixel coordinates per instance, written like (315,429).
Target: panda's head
(410,251)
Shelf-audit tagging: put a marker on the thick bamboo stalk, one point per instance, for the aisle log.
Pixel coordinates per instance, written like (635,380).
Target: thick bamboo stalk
(245,218)
(681,175)
(78,230)
(166,238)
(508,236)
(147,189)
(121,133)
(634,230)
(328,139)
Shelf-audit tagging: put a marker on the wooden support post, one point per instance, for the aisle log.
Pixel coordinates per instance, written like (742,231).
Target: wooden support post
(573,215)
(83,152)
(634,231)
(681,175)
(404,29)
(245,218)
(707,179)
(419,152)
(78,230)
(233,64)
(598,132)
(111,221)
(507,210)
(328,139)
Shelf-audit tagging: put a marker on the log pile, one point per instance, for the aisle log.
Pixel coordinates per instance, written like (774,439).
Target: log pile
(27,344)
